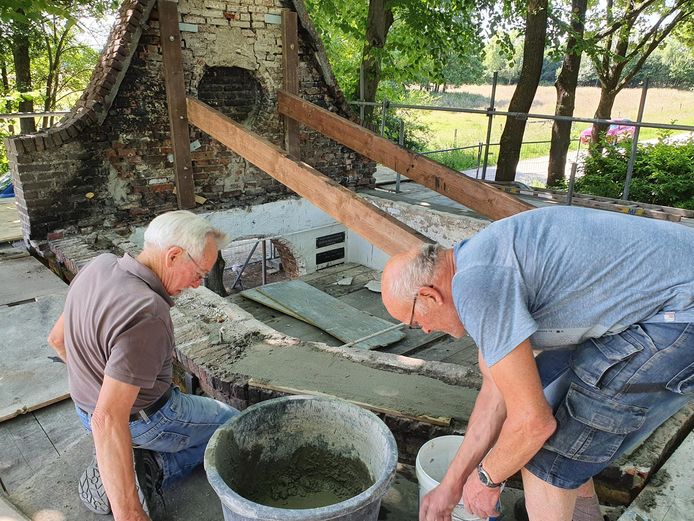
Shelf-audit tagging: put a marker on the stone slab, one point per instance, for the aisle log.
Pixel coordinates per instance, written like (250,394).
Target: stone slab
(669,496)
(10,225)
(335,317)
(24,278)
(30,375)
(8,512)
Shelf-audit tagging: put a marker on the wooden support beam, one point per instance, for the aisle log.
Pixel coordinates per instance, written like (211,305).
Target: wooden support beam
(373,224)
(176,101)
(290,69)
(474,194)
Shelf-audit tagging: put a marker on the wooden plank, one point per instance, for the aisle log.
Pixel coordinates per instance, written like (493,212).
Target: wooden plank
(442,421)
(472,193)
(613,205)
(373,224)
(24,278)
(330,314)
(290,69)
(29,377)
(176,101)
(25,450)
(9,512)
(10,225)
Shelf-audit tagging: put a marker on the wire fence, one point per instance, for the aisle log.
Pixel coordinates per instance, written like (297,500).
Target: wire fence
(530,171)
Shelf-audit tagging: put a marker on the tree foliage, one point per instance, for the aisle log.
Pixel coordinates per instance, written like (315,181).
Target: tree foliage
(663,173)
(425,37)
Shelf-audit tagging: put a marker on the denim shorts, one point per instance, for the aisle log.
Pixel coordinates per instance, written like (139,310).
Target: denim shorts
(609,394)
(179,431)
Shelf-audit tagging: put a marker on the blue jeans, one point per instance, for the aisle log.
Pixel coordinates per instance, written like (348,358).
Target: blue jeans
(609,394)
(179,431)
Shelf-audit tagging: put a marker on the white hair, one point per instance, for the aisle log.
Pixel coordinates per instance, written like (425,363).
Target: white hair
(184,229)
(417,272)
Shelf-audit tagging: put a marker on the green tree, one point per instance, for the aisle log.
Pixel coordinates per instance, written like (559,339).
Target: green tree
(522,99)
(566,92)
(405,41)
(503,54)
(40,28)
(619,48)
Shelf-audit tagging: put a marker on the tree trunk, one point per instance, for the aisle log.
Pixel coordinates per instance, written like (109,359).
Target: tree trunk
(566,95)
(5,90)
(522,100)
(378,24)
(604,110)
(22,69)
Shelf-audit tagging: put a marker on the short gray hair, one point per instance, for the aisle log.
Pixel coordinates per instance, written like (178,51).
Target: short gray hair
(417,272)
(184,229)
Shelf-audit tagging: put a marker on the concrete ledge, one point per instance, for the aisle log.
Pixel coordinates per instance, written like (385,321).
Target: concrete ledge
(668,495)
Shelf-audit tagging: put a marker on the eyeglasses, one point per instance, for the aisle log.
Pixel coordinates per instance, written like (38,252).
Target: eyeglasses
(414,303)
(201,273)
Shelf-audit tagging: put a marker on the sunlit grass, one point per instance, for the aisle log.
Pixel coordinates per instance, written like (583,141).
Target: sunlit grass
(456,129)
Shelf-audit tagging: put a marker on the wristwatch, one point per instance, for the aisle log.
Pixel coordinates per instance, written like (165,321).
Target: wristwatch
(485,479)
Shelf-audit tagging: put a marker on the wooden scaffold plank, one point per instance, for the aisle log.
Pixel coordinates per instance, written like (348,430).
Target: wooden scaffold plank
(373,224)
(472,193)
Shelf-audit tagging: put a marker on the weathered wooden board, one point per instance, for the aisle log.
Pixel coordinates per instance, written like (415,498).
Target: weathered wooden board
(355,212)
(331,315)
(30,376)
(25,278)
(10,226)
(8,512)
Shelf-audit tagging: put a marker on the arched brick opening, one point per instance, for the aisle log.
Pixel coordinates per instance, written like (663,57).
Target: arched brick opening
(234,91)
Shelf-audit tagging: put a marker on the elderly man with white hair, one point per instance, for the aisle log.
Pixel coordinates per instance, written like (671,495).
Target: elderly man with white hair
(607,298)
(116,337)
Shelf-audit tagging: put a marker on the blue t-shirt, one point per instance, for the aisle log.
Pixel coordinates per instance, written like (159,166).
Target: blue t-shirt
(561,275)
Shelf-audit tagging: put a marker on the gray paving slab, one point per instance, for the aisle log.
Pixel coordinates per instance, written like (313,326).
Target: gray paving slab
(668,496)
(26,278)
(30,374)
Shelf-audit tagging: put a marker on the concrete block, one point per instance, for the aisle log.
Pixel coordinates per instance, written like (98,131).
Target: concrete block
(668,495)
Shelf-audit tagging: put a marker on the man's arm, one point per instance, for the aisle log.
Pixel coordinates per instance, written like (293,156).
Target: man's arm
(114,452)
(482,431)
(529,422)
(56,338)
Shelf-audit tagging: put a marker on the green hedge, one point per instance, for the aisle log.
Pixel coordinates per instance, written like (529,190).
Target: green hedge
(663,173)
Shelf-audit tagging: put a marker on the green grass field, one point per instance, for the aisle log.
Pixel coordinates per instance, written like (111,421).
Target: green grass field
(455,129)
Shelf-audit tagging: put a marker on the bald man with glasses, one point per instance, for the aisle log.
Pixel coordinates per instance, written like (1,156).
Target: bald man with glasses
(607,300)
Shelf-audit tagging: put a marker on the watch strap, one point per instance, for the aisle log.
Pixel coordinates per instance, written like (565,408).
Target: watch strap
(485,479)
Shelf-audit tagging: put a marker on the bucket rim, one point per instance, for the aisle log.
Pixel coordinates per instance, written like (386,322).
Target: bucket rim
(418,461)
(246,507)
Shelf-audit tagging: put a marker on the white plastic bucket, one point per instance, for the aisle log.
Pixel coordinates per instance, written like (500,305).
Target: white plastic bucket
(433,460)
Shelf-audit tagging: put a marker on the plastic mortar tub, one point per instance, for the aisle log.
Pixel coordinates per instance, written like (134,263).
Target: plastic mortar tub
(433,460)
(302,458)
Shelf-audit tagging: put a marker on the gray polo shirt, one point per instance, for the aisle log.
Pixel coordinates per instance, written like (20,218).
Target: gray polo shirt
(117,323)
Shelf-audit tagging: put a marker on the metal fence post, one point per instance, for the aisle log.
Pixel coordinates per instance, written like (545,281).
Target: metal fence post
(384,107)
(479,159)
(489,126)
(572,179)
(401,142)
(635,142)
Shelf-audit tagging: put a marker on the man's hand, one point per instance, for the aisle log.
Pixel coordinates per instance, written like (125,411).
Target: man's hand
(480,499)
(438,504)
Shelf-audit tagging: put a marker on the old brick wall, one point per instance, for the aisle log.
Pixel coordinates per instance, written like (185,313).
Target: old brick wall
(109,164)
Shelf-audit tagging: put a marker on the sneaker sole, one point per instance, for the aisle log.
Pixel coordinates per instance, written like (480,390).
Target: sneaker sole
(92,493)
